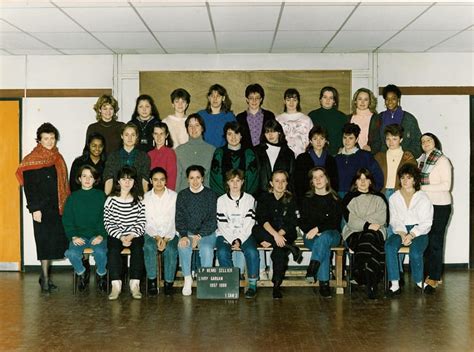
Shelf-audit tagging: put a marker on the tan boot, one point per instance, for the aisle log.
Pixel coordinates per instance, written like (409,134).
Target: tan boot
(135,289)
(116,289)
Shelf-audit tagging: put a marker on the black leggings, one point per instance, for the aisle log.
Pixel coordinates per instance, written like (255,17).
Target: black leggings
(114,258)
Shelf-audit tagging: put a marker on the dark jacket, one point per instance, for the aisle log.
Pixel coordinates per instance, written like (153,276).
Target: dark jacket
(145,133)
(242,120)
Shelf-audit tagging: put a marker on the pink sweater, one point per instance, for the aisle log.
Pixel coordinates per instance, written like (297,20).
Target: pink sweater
(440,182)
(166,158)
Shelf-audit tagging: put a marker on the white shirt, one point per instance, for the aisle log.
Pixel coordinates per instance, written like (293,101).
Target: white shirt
(419,213)
(160,213)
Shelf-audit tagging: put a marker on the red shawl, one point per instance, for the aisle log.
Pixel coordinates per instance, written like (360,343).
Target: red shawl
(42,157)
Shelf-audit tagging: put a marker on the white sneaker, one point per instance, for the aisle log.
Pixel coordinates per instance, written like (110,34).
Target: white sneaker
(116,289)
(187,287)
(135,289)
(263,274)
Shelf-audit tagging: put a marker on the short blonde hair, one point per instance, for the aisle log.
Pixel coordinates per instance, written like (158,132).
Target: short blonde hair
(103,100)
(372,100)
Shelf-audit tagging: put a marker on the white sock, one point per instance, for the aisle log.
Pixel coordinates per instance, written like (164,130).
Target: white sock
(421,284)
(187,287)
(395,285)
(134,284)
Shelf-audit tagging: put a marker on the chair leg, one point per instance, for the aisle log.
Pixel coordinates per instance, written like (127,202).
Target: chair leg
(74,283)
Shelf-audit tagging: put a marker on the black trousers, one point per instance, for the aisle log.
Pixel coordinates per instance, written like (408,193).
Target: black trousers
(114,258)
(434,254)
(279,254)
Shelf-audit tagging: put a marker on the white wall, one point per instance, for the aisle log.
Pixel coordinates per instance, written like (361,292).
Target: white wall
(72,115)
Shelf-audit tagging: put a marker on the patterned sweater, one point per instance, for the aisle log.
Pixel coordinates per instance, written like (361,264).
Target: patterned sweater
(124,218)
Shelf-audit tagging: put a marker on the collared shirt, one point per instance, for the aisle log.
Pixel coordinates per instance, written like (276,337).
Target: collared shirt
(255,125)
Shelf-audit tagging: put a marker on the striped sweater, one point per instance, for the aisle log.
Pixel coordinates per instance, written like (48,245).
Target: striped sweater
(124,218)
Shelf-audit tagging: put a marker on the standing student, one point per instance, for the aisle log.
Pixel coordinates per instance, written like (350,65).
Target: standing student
(127,155)
(43,175)
(144,116)
(194,152)
(235,219)
(195,223)
(276,226)
(366,214)
(92,155)
(364,105)
(316,155)
(124,220)
(321,215)
(180,100)
(160,231)
(296,125)
(351,159)
(217,113)
(163,155)
(83,221)
(106,109)
(436,180)
(233,156)
(329,117)
(254,118)
(411,216)
(395,114)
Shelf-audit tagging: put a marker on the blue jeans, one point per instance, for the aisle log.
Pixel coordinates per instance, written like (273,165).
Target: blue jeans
(321,250)
(74,254)
(170,256)
(417,248)
(206,253)
(249,248)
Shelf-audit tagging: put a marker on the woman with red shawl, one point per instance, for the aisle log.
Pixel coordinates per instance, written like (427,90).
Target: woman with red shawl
(43,175)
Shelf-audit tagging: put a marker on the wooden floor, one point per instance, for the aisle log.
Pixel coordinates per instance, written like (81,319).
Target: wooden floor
(301,321)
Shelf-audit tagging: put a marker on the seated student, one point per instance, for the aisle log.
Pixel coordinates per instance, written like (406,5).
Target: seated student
(163,155)
(316,155)
(276,226)
(253,119)
(233,156)
(144,116)
(83,221)
(217,113)
(411,217)
(193,152)
(124,220)
(391,160)
(273,154)
(180,100)
(160,230)
(329,117)
(93,155)
(195,223)
(296,125)
(321,214)
(235,219)
(366,214)
(351,159)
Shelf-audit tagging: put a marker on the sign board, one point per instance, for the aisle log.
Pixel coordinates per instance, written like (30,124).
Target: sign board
(218,283)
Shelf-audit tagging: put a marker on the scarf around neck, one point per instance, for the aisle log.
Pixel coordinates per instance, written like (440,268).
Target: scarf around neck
(427,163)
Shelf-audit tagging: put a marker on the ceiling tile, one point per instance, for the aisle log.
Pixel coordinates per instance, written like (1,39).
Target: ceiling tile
(86,51)
(70,40)
(185,19)
(26,4)
(186,40)
(149,51)
(415,41)
(34,52)
(445,17)
(128,40)
(88,3)
(5,27)
(117,19)
(164,3)
(364,40)
(244,41)
(251,18)
(4,52)
(301,39)
(463,41)
(20,41)
(305,49)
(382,17)
(40,20)
(305,17)
(191,51)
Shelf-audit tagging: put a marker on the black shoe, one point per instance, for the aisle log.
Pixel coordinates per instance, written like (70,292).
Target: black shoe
(152,287)
(101,282)
(312,270)
(44,284)
(252,293)
(324,289)
(277,289)
(81,282)
(429,290)
(296,252)
(87,273)
(372,291)
(394,294)
(168,288)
